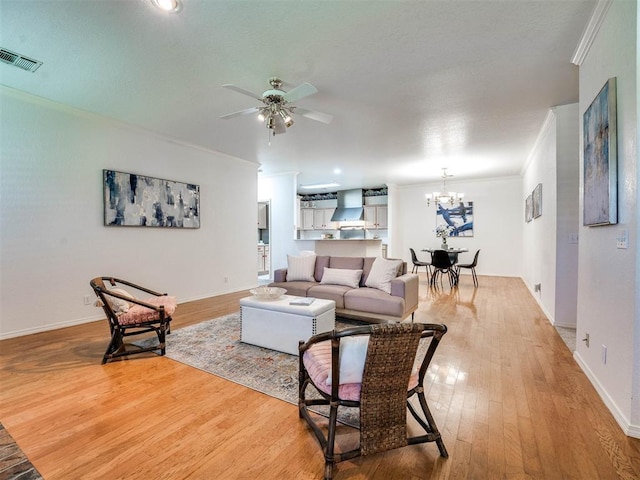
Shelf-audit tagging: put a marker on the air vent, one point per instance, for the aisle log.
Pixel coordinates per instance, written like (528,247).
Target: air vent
(20,61)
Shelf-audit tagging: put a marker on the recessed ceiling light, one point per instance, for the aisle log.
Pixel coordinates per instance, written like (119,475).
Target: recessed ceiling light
(337,171)
(172,6)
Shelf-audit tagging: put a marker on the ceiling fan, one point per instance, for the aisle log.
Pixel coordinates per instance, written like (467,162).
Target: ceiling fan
(278,106)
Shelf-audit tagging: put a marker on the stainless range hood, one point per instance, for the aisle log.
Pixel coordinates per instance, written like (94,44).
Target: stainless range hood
(349,206)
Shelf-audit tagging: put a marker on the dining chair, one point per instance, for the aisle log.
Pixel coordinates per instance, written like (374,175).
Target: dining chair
(471,266)
(379,369)
(419,263)
(442,264)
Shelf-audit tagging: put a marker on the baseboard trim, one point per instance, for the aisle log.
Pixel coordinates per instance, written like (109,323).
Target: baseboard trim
(627,427)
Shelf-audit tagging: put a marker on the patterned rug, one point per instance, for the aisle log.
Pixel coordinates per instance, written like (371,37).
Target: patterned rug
(214,346)
(14,464)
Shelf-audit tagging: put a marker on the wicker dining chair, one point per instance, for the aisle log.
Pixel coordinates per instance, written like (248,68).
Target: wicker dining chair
(127,315)
(383,392)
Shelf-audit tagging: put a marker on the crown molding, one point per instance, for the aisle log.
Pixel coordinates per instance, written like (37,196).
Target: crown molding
(590,31)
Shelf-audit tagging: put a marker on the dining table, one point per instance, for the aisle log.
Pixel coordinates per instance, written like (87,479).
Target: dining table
(453,257)
(453,252)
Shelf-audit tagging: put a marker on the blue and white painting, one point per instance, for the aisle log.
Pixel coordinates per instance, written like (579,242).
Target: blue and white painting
(140,201)
(458,216)
(600,200)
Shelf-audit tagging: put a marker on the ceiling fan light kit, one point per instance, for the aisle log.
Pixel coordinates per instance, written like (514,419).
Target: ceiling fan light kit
(444,196)
(171,6)
(278,109)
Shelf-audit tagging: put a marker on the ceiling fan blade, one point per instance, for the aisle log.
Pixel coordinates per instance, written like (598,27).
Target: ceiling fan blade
(299,92)
(241,112)
(313,115)
(243,91)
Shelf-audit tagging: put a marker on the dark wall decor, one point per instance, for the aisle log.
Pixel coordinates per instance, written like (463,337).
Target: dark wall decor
(140,201)
(600,158)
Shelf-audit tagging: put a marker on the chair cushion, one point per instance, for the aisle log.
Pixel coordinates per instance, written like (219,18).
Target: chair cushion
(342,276)
(382,272)
(139,314)
(301,268)
(317,361)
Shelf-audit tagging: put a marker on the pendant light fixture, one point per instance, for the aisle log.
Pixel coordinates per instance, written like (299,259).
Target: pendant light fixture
(444,196)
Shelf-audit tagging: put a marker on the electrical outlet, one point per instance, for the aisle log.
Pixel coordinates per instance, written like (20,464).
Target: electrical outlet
(537,287)
(87,299)
(226,279)
(604,354)
(622,239)
(586,339)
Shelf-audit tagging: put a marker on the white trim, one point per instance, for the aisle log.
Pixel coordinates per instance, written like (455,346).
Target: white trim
(546,124)
(590,31)
(627,428)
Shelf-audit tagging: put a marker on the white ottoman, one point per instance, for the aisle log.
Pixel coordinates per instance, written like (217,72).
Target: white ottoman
(277,325)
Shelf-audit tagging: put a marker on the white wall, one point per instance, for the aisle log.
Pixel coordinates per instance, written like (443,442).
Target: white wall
(498,214)
(608,299)
(281,191)
(52,238)
(550,253)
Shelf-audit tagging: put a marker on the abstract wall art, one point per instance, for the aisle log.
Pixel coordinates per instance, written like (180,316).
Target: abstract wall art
(141,201)
(528,208)
(459,216)
(536,200)
(600,201)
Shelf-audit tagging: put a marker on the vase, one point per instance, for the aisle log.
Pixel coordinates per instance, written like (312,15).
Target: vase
(444,245)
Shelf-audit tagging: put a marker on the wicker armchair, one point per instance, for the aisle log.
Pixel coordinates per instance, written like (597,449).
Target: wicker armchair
(388,382)
(128,315)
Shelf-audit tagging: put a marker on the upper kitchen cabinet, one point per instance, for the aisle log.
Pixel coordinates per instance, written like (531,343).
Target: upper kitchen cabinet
(375,216)
(263,215)
(322,219)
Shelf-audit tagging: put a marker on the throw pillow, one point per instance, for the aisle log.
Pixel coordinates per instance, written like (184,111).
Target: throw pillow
(301,268)
(342,276)
(119,305)
(353,353)
(382,272)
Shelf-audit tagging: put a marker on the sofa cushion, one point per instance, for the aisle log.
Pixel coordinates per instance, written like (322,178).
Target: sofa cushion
(329,292)
(301,268)
(342,276)
(353,263)
(382,272)
(297,289)
(374,301)
(322,262)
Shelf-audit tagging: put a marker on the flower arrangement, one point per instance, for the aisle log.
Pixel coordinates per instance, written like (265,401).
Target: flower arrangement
(443,231)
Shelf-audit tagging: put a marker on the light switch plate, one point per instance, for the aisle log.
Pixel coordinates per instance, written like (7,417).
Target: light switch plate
(622,239)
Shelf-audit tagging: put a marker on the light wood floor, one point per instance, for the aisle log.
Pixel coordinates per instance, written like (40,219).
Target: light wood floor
(508,396)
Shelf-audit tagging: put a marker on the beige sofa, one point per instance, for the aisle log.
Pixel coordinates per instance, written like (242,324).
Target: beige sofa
(363,302)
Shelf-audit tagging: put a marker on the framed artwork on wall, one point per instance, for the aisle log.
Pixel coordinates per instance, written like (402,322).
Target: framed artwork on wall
(600,201)
(536,200)
(133,200)
(528,208)
(459,216)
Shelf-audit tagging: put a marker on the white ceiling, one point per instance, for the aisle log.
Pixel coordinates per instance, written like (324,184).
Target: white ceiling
(413,86)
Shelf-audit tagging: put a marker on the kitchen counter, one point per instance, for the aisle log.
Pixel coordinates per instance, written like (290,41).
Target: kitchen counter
(352,247)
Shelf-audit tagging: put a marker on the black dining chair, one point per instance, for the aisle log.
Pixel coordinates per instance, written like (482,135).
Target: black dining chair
(471,266)
(442,264)
(419,263)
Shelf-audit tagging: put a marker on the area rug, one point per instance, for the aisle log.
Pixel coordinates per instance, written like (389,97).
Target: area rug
(214,346)
(14,464)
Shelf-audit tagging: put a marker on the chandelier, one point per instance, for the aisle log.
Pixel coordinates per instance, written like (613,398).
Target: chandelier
(444,196)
